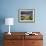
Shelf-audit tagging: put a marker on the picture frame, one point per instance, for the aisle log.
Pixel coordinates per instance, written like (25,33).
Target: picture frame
(26,15)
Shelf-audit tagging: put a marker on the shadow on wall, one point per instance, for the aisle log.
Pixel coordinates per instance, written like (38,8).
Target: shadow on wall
(2,21)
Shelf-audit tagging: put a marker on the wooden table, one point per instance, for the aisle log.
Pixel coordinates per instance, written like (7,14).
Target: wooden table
(20,39)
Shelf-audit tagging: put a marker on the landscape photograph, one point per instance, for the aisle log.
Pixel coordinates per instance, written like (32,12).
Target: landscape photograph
(26,15)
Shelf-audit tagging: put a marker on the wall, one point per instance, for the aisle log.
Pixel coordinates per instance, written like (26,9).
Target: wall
(9,8)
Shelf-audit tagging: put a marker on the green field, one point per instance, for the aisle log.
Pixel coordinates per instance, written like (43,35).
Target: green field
(26,17)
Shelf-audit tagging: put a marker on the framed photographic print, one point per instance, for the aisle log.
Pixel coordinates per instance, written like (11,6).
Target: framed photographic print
(26,15)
